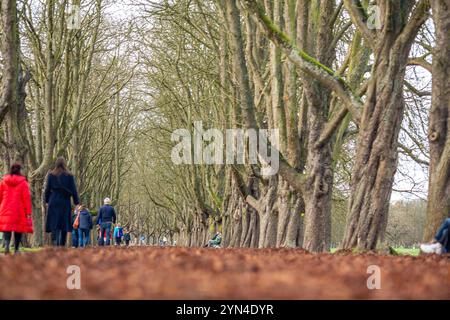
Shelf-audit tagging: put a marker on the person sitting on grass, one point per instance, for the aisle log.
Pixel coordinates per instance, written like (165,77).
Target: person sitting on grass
(215,241)
(440,243)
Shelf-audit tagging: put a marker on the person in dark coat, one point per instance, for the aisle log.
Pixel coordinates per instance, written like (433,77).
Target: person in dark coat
(107,216)
(84,229)
(59,190)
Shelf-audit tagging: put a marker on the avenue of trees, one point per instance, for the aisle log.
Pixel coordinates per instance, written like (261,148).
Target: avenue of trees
(358,89)
(65,92)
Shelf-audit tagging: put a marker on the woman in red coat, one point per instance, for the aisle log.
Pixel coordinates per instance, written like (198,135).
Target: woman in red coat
(15,207)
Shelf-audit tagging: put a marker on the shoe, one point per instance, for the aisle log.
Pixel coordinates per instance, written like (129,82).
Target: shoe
(431,248)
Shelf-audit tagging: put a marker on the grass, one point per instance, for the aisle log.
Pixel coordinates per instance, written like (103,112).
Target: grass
(408,251)
(400,250)
(21,249)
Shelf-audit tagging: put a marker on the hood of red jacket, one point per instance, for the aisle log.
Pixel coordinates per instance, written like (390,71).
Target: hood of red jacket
(13,180)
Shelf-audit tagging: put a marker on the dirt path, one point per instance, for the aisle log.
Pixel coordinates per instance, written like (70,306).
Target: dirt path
(191,273)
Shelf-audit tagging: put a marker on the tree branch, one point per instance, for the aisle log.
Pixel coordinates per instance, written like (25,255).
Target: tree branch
(416,91)
(420,62)
(331,127)
(410,154)
(256,204)
(359,18)
(305,62)
(419,15)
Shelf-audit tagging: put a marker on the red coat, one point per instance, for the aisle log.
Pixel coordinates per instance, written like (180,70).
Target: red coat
(15,204)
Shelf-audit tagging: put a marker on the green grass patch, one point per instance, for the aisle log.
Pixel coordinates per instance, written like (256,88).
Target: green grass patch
(400,250)
(11,250)
(408,251)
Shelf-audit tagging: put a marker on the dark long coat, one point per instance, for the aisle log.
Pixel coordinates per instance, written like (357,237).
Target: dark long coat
(58,192)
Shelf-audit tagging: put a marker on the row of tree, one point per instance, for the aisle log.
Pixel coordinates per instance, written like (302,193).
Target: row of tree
(66,91)
(345,82)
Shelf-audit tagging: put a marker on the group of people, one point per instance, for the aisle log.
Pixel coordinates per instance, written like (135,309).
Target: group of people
(60,191)
(107,228)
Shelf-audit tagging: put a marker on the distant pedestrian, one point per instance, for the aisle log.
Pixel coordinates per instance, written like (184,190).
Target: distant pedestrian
(59,190)
(15,207)
(85,227)
(127,238)
(107,216)
(118,234)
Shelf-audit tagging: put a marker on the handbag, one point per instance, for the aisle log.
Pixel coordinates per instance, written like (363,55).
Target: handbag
(76,223)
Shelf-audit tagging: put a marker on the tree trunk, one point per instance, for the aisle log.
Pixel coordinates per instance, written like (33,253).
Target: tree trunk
(294,235)
(37,188)
(376,157)
(10,56)
(319,184)
(439,127)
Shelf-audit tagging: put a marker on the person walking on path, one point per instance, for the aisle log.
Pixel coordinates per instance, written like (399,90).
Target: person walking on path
(60,188)
(127,237)
(85,227)
(118,234)
(107,216)
(15,207)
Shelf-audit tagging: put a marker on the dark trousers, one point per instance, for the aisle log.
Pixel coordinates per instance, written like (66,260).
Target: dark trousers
(440,235)
(105,229)
(127,242)
(118,241)
(83,237)
(59,238)
(17,238)
(75,238)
